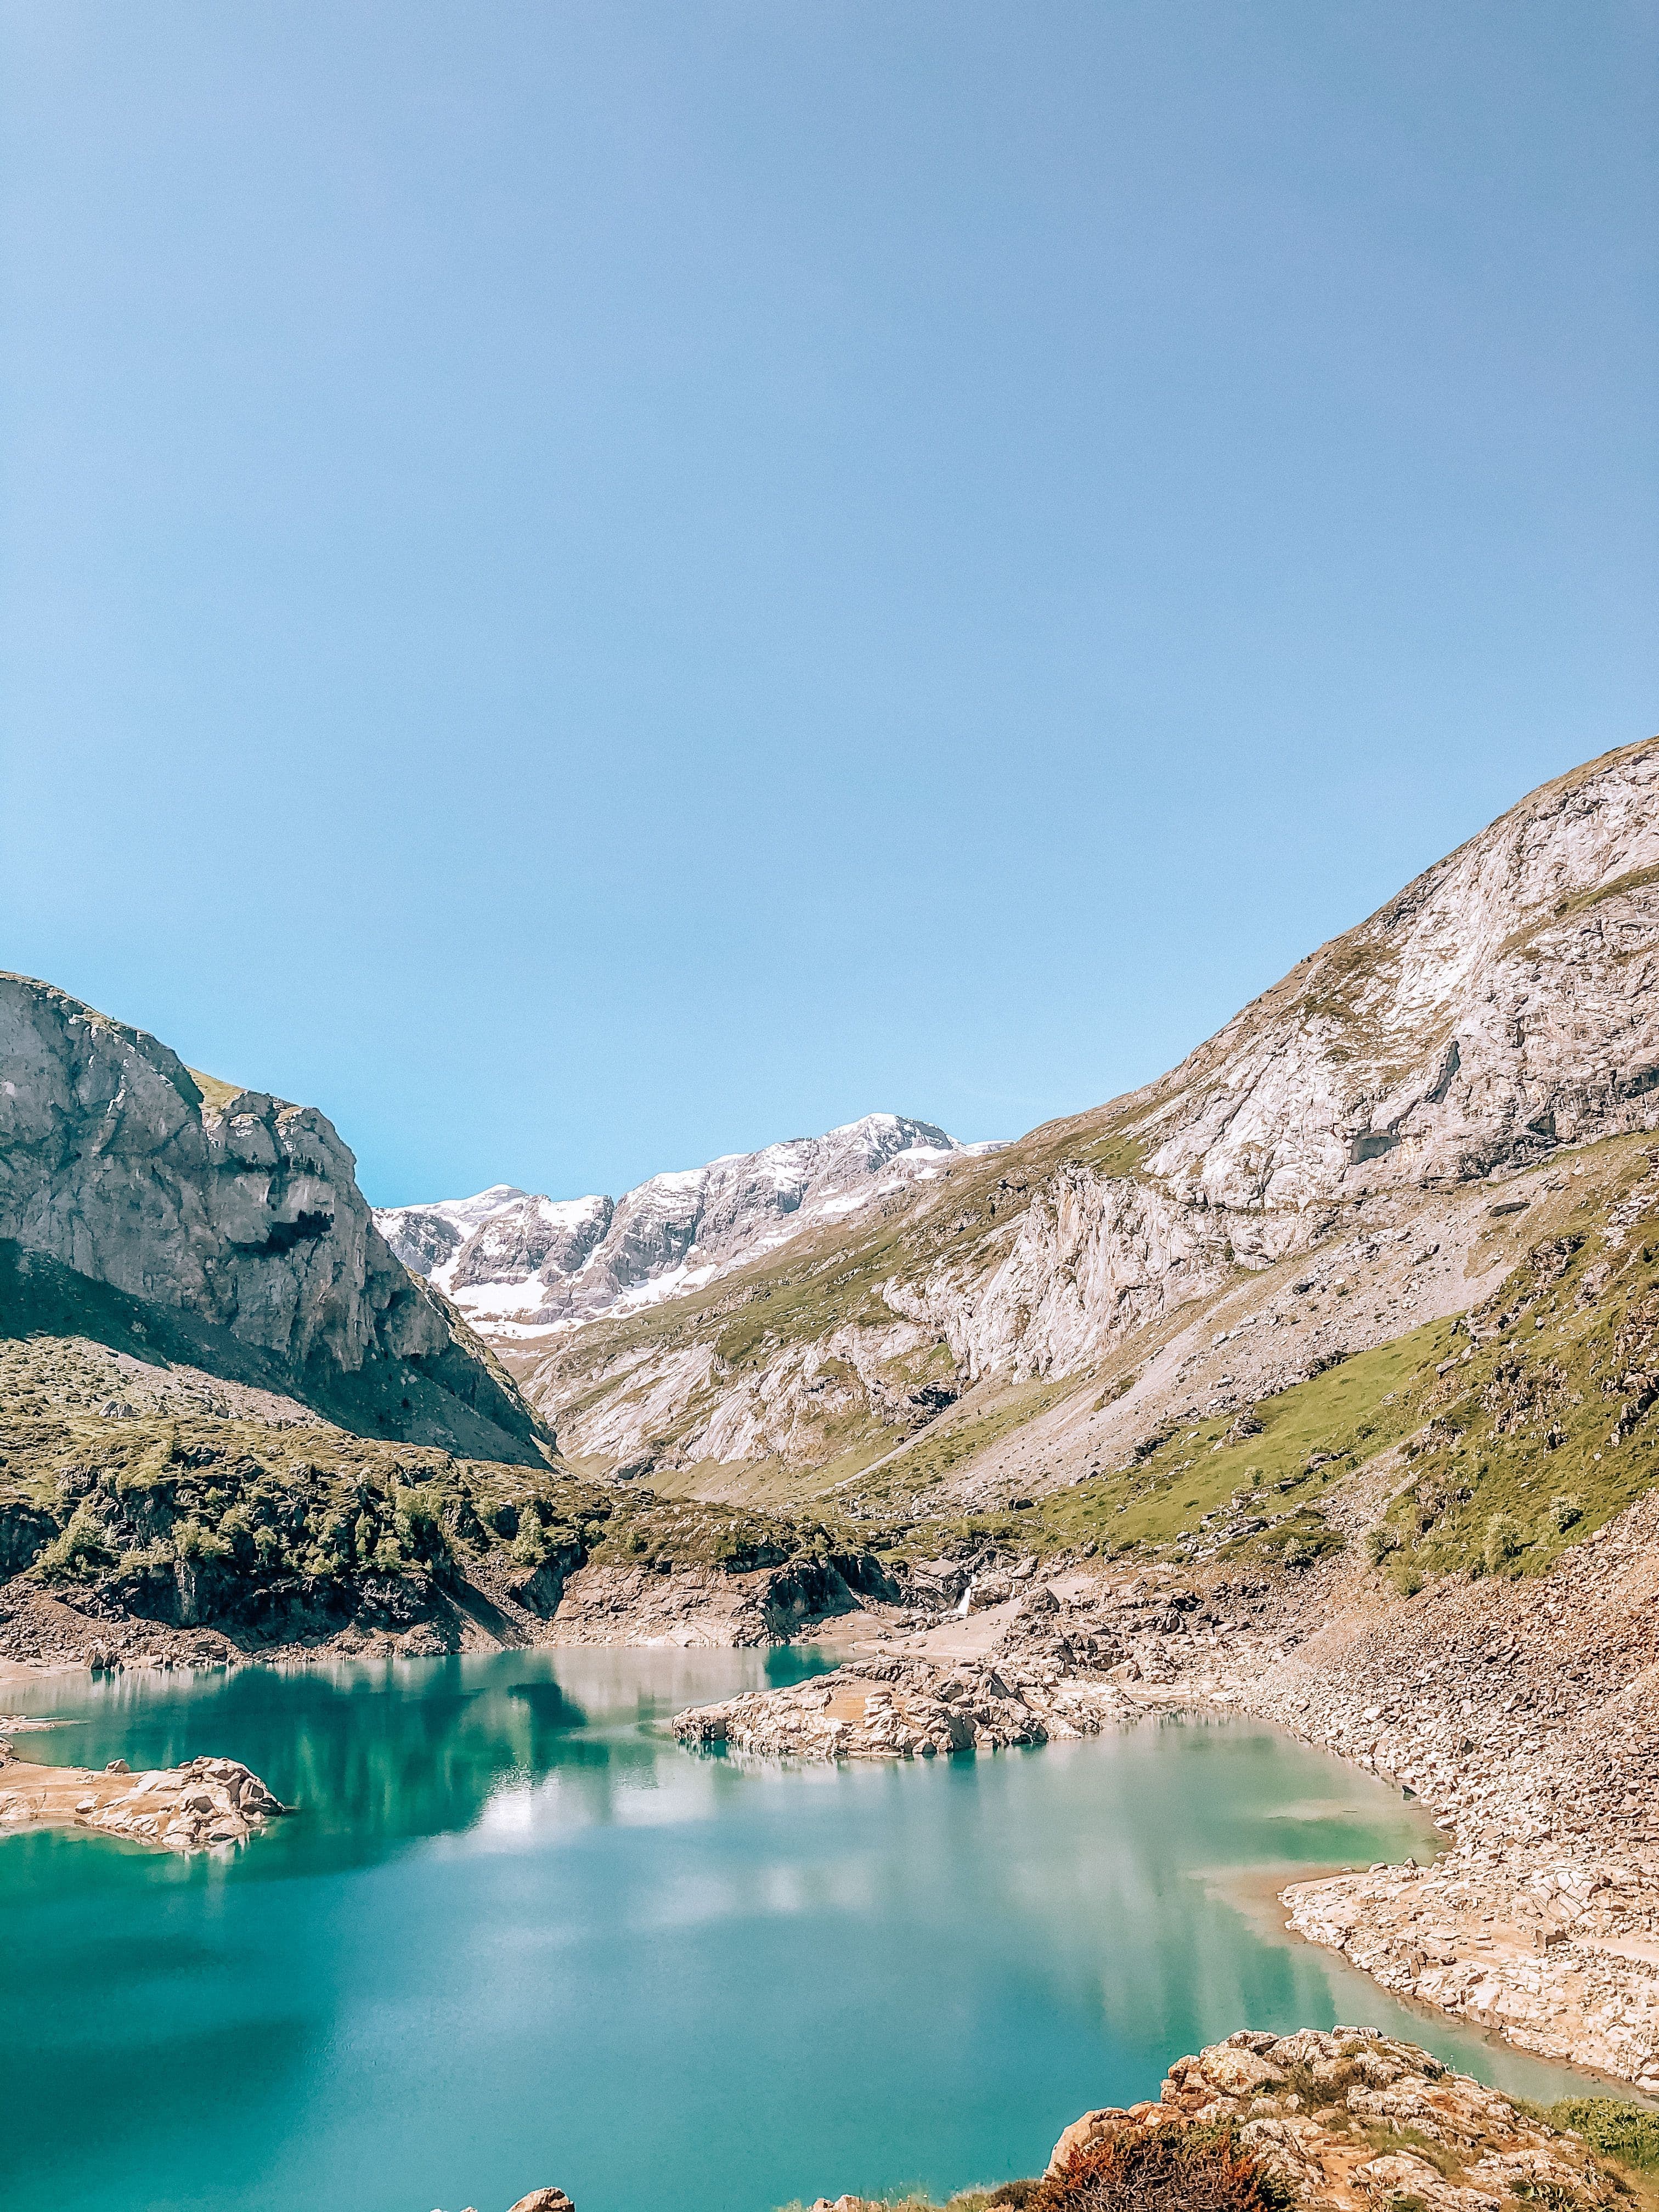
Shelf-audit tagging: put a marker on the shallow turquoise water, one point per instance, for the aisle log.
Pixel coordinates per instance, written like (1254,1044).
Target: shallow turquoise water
(517,1935)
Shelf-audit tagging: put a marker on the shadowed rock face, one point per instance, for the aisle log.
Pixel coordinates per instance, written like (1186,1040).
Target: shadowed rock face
(231,1209)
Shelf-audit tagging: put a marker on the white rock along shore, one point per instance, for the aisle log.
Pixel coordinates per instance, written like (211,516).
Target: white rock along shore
(207,1804)
(1524,1716)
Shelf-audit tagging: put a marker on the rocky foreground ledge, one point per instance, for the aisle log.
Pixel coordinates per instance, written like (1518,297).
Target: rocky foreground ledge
(208,1804)
(908,1709)
(1350,2121)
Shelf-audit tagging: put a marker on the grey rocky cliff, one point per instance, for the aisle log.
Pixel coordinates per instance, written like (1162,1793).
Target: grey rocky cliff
(234,1213)
(1502,1006)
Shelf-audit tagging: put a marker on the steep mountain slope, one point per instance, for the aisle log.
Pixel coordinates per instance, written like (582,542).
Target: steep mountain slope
(147,1206)
(1499,1008)
(515,1261)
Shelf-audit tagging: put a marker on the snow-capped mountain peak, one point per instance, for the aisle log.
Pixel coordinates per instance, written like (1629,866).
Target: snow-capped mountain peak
(516,1261)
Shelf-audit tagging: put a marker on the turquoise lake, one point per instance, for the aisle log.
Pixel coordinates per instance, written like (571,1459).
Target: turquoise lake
(516,1936)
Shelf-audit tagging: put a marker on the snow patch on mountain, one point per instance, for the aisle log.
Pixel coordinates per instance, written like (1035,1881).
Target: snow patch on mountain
(517,1262)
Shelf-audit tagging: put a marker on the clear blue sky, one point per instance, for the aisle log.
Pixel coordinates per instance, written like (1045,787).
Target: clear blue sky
(587,586)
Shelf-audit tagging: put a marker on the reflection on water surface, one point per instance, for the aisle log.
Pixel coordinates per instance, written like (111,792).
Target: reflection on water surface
(517,1935)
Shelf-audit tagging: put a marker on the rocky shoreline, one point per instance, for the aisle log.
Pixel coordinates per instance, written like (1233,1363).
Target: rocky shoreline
(207,1804)
(1524,1716)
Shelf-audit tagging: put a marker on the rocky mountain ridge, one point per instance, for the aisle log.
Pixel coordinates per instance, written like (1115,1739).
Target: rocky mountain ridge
(518,1262)
(1497,1013)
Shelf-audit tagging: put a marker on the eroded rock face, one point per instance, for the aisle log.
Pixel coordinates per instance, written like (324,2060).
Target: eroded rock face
(1500,1007)
(231,1207)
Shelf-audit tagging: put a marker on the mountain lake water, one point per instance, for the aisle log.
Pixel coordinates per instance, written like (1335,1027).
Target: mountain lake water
(515,1936)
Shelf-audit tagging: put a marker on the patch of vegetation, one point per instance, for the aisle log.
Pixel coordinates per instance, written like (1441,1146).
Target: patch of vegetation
(1301,1444)
(1163,2169)
(1577,902)
(215,1094)
(1627,2133)
(271,1527)
(1118,1152)
(666,1535)
(1524,1429)
(963,1434)
(1013,2193)
(1544,1427)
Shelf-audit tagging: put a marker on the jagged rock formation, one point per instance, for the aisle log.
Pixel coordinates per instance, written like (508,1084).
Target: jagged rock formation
(427,1238)
(1502,1007)
(231,1223)
(513,1259)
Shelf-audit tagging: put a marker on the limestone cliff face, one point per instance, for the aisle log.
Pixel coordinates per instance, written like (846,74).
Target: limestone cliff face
(237,1212)
(1502,1005)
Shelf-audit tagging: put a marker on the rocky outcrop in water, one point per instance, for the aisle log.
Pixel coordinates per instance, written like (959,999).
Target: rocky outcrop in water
(179,1212)
(910,1709)
(208,1804)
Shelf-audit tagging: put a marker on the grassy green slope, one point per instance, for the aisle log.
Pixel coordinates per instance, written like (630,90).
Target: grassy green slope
(294,1528)
(1519,1429)
(828,1279)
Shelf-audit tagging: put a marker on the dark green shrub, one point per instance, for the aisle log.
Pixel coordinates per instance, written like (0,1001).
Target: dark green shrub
(529,1547)
(83,1548)
(1505,1540)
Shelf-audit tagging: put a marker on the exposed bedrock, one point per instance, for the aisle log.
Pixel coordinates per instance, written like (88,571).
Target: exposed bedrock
(236,1214)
